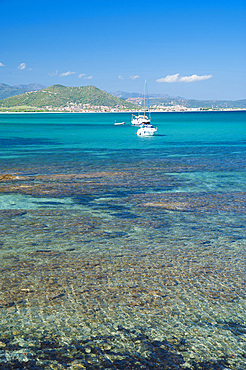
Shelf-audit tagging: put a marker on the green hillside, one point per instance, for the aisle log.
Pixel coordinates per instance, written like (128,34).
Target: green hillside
(61,96)
(7,91)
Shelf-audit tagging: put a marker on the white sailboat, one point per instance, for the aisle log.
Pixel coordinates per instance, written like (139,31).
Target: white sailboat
(141,118)
(144,121)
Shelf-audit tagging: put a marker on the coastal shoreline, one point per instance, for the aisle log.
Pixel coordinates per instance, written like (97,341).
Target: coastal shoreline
(131,112)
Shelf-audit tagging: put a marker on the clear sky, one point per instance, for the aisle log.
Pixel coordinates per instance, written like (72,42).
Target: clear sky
(194,49)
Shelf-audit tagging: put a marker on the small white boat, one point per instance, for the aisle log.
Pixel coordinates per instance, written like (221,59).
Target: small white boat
(119,123)
(146,130)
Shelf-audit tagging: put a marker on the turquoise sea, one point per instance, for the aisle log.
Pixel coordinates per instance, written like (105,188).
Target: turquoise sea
(122,252)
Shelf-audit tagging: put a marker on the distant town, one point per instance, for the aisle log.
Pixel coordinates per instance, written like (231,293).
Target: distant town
(88,108)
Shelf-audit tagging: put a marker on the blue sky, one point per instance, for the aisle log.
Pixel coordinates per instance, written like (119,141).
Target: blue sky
(195,49)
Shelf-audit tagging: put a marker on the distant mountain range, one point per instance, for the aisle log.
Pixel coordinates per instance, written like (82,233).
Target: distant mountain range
(58,96)
(35,96)
(6,90)
(192,103)
(166,100)
(126,95)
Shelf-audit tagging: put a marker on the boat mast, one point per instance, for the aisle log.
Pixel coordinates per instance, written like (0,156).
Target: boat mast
(144,96)
(147,96)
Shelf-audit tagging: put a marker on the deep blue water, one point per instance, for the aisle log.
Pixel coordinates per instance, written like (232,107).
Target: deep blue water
(122,251)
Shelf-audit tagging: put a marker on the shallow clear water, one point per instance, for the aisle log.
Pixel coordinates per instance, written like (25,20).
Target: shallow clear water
(118,251)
